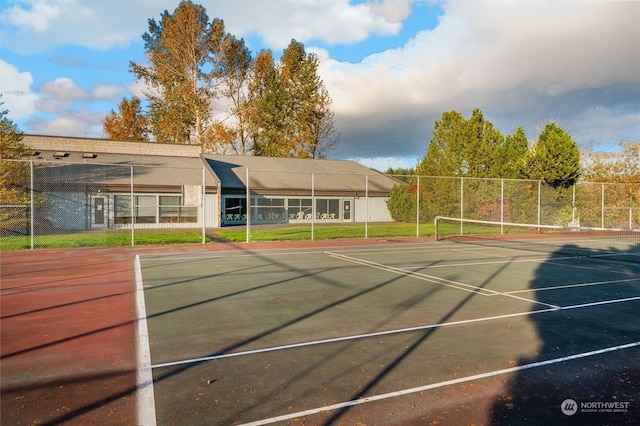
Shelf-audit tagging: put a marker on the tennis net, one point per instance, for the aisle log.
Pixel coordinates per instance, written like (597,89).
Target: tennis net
(607,243)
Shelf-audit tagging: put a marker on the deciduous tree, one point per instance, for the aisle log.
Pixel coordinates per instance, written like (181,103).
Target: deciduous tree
(184,65)
(293,113)
(620,166)
(129,123)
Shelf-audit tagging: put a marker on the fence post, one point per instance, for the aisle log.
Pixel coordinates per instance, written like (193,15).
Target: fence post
(366,199)
(31,219)
(248,208)
(204,210)
(461,203)
(313,203)
(418,208)
(539,201)
(573,205)
(133,217)
(602,205)
(501,206)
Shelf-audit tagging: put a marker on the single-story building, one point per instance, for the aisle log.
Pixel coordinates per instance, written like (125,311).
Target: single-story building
(85,183)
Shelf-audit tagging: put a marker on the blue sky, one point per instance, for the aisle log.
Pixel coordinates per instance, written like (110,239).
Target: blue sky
(392,67)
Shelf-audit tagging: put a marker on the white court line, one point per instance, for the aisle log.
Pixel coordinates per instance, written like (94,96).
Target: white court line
(437,280)
(388,332)
(567,286)
(144,378)
(440,384)
(203,255)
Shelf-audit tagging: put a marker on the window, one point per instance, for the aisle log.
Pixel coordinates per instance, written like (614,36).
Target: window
(234,209)
(328,208)
(271,209)
(122,209)
(300,208)
(281,209)
(153,209)
(145,208)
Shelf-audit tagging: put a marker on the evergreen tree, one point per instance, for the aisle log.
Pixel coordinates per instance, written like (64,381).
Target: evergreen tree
(462,147)
(554,158)
(510,156)
(14,176)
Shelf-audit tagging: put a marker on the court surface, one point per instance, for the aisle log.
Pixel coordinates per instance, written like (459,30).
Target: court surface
(422,333)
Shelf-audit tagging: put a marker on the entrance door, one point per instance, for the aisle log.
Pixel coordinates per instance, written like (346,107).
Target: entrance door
(346,210)
(98,211)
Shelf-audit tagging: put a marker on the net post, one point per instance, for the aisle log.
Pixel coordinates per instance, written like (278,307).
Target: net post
(435,228)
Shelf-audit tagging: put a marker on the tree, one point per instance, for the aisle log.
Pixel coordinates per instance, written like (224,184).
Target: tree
(11,146)
(204,88)
(401,173)
(510,156)
(232,133)
(554,158)
(461,147)
(480,145)
(293,113)
(183,51)
(445,153)
(14,176)
(129,124)
(620,166)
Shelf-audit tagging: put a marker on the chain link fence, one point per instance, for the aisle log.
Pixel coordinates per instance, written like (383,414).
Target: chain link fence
(63,204)
(60,204)
(588,204)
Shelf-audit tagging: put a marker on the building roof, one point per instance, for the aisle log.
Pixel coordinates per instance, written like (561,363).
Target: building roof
(171,165)
(283,175)
(153,165)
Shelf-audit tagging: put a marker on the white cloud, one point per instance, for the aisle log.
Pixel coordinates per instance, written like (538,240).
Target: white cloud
(106,91)
(520,62)
(75,123)
(393,11)
(37,17)
(100,25)
(60,94)
(535,59)
(382,164)
(16,91)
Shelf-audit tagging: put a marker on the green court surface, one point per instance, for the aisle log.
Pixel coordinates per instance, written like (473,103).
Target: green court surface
(433,332)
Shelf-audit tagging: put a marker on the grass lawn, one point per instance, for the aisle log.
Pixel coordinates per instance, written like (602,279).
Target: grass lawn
(238,234)
(101,240)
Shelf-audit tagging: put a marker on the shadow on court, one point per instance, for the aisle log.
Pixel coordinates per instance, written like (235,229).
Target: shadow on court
(596,388)
(581,355)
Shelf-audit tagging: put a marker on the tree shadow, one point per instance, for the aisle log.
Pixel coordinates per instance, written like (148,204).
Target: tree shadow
(587,370)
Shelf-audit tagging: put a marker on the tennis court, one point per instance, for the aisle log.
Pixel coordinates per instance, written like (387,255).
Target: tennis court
(421,333)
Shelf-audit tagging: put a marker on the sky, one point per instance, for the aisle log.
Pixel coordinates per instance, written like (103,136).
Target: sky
(392,67)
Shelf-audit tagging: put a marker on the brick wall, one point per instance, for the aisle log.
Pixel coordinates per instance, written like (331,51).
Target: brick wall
(90,145)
